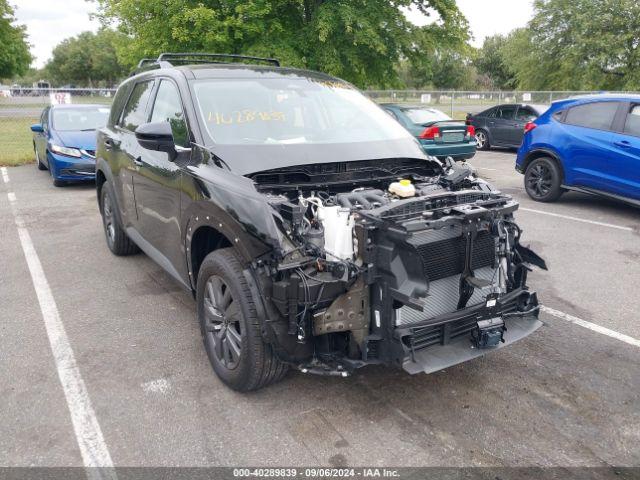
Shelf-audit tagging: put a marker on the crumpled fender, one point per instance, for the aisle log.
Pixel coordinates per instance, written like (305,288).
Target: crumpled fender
(241,213)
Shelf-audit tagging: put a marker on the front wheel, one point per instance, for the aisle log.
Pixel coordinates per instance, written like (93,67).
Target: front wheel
(543,180)
(230,327)
(482,140)
(39,164)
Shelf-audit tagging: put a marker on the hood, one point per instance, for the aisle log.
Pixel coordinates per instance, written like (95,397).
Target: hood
(246,159)
(76,139)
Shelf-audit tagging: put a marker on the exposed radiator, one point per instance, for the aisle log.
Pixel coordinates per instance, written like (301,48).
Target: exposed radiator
(443,297)
(445,258)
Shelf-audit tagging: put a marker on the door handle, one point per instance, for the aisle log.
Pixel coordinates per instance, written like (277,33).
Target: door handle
(138,161)
(622,144)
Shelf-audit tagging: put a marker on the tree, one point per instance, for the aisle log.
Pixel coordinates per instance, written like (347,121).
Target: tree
(492,62)
(578,45)
(87,59)
(359,40)
(15,57)
(452,70)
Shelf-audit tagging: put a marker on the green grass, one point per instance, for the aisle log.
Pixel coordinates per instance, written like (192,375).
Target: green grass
(16,144)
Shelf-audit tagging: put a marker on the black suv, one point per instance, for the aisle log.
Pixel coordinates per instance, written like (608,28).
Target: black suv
(310,226)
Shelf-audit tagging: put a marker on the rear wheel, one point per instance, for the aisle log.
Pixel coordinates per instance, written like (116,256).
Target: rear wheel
(543,180)
(117,239)
(482,140)
(230,325)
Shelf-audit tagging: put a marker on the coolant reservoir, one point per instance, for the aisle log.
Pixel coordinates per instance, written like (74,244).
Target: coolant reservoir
(338,226)
(403,188)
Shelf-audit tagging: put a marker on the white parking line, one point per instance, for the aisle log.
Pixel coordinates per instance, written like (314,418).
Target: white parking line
(85,423)
(5,174)
(576,219)
(591,326)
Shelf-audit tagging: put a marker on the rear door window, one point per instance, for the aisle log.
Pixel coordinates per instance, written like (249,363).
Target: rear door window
(526,114)
(118,104)
(134,113)
(597,115)
(632,124)
(488,113)
(506,112)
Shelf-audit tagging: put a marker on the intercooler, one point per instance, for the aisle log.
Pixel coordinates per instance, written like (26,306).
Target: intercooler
(442,253)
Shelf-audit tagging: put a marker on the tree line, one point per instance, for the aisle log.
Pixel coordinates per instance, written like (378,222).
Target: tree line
(567,45)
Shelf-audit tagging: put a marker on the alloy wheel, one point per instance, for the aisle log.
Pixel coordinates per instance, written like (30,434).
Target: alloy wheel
(540,180)
(109,225)
(222,322)
(481,139)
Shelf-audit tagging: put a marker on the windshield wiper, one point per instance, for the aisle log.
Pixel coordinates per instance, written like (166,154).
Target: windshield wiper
(88,130)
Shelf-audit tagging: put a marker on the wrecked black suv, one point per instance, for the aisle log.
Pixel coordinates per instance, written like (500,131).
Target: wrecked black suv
(309,225)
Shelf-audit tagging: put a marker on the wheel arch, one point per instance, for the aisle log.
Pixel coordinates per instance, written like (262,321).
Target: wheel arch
(544,152)
(103,174)
(203,240)
(101,178)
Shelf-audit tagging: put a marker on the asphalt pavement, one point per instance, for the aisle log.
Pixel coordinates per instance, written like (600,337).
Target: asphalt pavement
(568,395)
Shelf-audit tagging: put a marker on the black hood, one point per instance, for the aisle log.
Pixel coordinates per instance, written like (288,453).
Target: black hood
(247,159)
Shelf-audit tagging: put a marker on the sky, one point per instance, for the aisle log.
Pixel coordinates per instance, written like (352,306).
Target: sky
(51,21)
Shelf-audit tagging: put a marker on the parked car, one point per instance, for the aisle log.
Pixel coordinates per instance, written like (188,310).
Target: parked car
(311,228)
(64,141)
(439,135)
(590,144)
(503,125)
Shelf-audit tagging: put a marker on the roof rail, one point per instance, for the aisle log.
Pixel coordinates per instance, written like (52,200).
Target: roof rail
(186,58)
(168,60)
(145,61)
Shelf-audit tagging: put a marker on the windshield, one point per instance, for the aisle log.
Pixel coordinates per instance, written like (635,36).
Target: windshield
(82,118)
(283,111)
(420,116)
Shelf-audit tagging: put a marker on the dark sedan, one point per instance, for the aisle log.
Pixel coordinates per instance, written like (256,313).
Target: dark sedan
(503,125)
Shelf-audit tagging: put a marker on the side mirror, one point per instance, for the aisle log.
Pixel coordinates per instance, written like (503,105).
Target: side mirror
(156,136)
(37,128)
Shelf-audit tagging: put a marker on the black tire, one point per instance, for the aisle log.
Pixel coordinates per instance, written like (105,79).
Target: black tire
(117,239)
(543,180)
(482,140)
(39,164)
(230,326)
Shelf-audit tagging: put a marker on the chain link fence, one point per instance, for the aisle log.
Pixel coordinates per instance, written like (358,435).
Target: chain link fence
(22,107)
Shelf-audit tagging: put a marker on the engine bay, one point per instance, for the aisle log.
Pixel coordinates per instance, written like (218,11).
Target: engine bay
(379,256)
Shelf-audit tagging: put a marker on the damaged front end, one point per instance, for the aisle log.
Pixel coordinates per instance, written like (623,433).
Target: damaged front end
(421,273)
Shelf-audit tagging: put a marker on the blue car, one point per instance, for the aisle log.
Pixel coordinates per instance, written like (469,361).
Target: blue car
(65,141)
(590,144)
